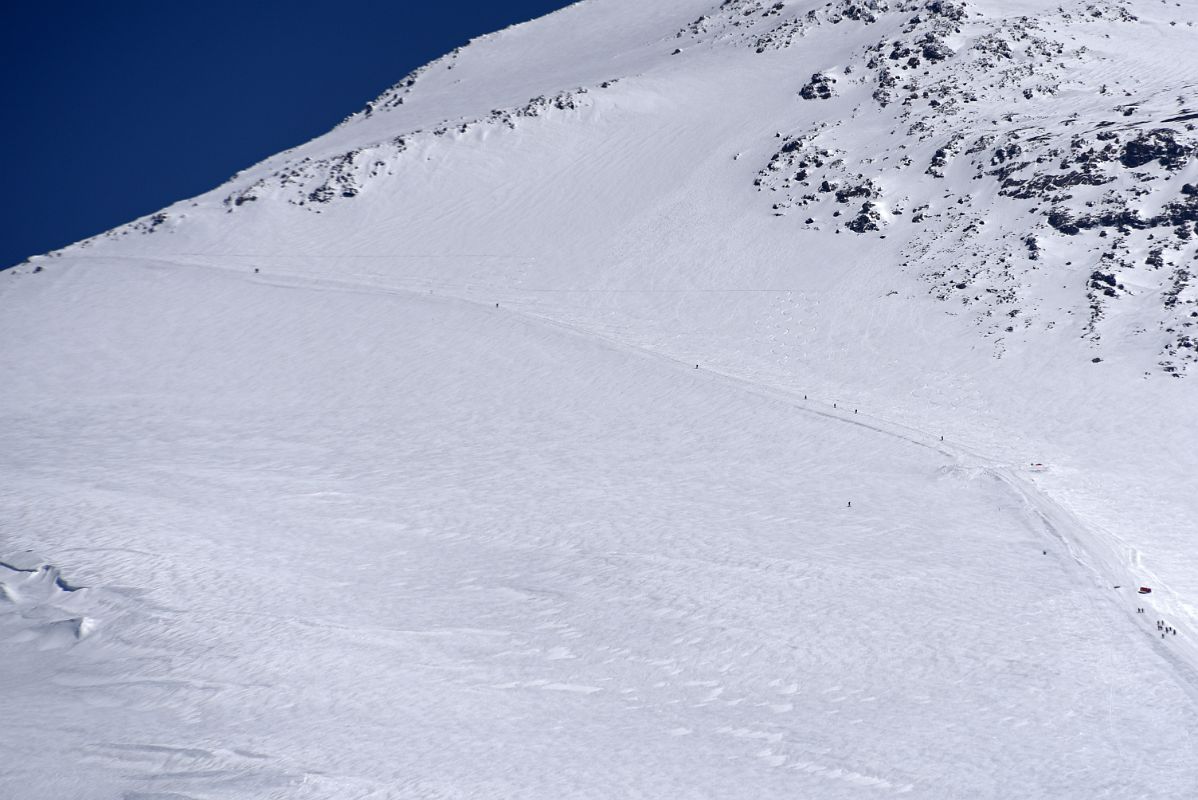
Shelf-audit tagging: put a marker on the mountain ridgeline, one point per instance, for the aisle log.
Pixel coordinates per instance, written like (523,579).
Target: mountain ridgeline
(1005,148)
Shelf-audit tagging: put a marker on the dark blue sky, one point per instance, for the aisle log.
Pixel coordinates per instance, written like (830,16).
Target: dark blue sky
(116,109)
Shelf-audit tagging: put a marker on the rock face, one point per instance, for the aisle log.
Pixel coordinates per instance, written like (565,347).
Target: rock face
(1160,145)
(820,87)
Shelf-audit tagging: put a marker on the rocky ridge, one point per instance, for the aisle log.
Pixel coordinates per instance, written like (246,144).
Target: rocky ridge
(1108,188)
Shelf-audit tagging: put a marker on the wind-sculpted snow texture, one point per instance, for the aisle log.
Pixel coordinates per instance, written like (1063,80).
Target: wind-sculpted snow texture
(672,399)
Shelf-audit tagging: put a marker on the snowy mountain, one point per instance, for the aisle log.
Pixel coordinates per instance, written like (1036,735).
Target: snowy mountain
(671,399)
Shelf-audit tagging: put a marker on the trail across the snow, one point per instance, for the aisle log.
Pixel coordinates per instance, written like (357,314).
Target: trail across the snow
(377,536)
(1110,563)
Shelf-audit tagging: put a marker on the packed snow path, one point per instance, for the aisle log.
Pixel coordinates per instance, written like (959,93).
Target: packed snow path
(333,541)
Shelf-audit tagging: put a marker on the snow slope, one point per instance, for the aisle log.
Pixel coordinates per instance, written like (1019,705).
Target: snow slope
(350,543)
(292,508)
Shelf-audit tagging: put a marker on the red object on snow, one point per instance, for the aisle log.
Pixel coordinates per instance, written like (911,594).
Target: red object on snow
(1145,590)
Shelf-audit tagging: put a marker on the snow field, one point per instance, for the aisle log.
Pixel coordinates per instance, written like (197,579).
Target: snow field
(377,544)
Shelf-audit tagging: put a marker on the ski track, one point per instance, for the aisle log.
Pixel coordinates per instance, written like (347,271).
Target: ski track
(661,678)
(1108,561)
